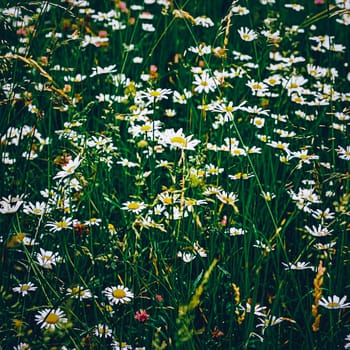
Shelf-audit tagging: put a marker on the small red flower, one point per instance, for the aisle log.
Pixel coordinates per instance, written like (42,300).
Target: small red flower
(141,315)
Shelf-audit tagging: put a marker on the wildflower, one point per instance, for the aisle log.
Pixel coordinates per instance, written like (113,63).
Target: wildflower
(227,198)
(298,266)
(204,83)
(318,231)
(211,169)
(343,153)
(347,339)
(133,206)
(241,176)
(239,10)
(47,258)
(154,96)
(334,302)
(22,346)
(68,169)
(93,222)
(265,247)
(79,292)
(11,204)
(234,231)
(203,21)
(177,139)
(258,310)
(51,318)
(271,321)
(106,70)
(295,7)
(119,294)
(24,288)
(247,34)
(268,196)
(258,122)
(141,315)
(186,256)
(323,215)
(102,331)
(116,345)
(63,224)
(257,88)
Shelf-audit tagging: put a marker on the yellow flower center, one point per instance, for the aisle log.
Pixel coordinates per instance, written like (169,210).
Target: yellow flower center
(52,318)
(333,304)
(24,287)
(133,206)
(119,293)
(154,93)
(62,224)
(179,139)
(146,127)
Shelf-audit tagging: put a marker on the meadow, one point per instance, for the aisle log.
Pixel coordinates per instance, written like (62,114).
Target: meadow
(174,174)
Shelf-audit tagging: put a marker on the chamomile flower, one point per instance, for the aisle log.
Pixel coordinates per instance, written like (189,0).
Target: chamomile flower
(343,153)
(10,205)
(318,231)
(204,83)
(247,34)
(24,288)
(79,292)
(69,168)
(134,206)
(47,258)
(300,265)
(334,302)
(39,208)
(63,224)
(50,318)
(177,140)
(102,331)
(118,295)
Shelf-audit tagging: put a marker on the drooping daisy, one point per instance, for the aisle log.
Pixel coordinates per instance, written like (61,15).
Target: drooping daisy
(177,140)
(229,198)
(50,318)
(118,295)
(318,231)
(334,302)
(300,265)
(247,34)
(69,168)
(24,288)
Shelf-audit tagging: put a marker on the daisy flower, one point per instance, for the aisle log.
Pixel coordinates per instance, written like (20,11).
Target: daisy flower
(334,302)
(318,231)
(258,310)
(68,169)
(63,224)
(11,204)
(24,288)
(204,83)
(100,70)
(22,346)
(247,34)
(47,258)
(177,139)
(343,153)
(133,206)
(79,292)
(298,266)
(118,295)
(35,209)
(50,318)
(102,331)
(228,198)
